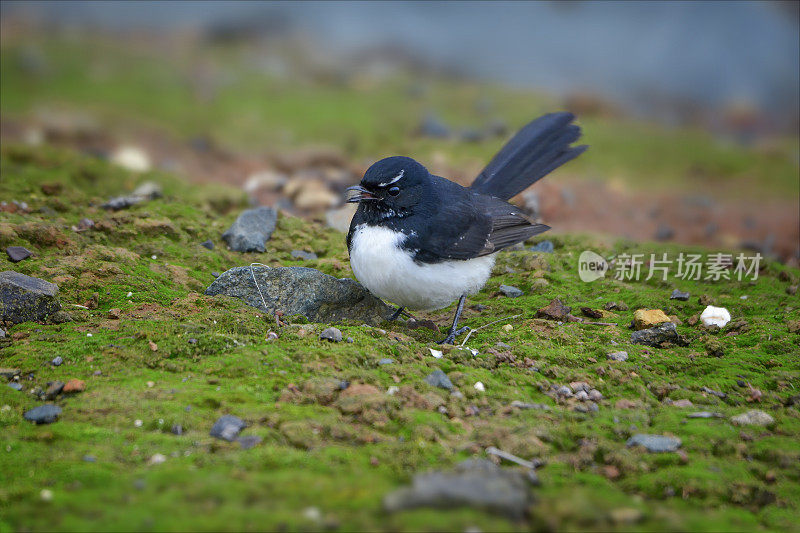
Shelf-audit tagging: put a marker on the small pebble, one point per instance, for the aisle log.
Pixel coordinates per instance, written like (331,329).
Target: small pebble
(508,328)
(479,387)
(618,356)
(209,244)
(137,423)
(157,459)
(510,291)
(57,361)
(386,361)
(46,495)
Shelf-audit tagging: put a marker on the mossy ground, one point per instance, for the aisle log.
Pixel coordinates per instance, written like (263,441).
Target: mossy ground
(341,455)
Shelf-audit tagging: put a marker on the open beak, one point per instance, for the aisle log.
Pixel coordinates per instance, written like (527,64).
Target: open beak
(357,193)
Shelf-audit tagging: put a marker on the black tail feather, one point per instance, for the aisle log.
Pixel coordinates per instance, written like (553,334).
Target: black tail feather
(536,150)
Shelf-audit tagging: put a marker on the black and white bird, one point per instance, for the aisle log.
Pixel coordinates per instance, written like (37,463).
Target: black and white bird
(422,241)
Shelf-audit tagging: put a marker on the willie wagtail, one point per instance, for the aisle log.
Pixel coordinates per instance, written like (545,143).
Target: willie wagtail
(422,241)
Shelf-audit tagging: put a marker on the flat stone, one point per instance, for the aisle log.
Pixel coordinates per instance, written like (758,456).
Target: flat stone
(437,378)
(249,441)
(678,295)
(227,427)
(251,230)
(301,291)
(655,443)
(302,254)
(475,483)
(44,414)
(15,385)
(527,405)
(663,333)
(74,385)
(385,361)
(331,334)
(23,298)
(209,244)
(511,291)
(17,253)
(648,318)
(753,417)
(555,310)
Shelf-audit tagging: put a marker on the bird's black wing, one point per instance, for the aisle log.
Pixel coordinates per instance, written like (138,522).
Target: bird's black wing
(468,225)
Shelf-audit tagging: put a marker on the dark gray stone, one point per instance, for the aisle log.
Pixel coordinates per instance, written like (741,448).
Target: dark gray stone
(208,244)
(305,256)
(437,378)
(23,298)
(176,429)
(251,230)
(666,332)
(144,192)
(53,390)
(544,246)
(301,291)
(227,427)
(475,483)
(331,334)
(57,361)
(678,295)
(17,253)
(655,443)
(511,291)
(44,414)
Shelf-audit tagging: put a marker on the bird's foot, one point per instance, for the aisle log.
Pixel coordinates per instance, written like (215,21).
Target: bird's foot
(452,334)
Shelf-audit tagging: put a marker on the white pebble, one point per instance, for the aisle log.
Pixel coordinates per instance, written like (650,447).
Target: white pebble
(154,256)
(157,459)
(715,316)
(312,513)
(508,327)
(151,384)
(743,297)
(436,353)
(132,158)
(46,495)
(129,294)
(138,423)
(88,334)
(479,387)
(391,391)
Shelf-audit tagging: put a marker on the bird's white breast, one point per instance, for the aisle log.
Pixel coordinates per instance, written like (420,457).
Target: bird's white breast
(390,272)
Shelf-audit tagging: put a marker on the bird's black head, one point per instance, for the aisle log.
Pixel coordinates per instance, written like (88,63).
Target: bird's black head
(392,186)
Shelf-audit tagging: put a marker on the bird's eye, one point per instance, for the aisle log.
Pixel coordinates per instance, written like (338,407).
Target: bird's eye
(394,191)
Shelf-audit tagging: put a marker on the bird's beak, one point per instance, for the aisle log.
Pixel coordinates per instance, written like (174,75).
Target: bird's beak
(357,193)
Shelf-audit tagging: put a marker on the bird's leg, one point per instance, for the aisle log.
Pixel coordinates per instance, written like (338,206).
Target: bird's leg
(453,333)
(396,314)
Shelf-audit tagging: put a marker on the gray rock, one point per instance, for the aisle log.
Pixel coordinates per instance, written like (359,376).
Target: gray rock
(713,392)
(301,291)
(432,126)
(475,483)
(437,378)
(753,417)
(176,429)
(618,356)
(666,332)
(385,361)
(209,244)
(678,295)
(251,230)
(331,334)
(53,390)
(2,333)
(526,405)
(544,246)
(655,443)
(227,427)
(305,256)
(15,385)
(17,253)
(57,361)
(511,291)
(249,441)
(705,414)
(23,298)
(144,192)
(44,414)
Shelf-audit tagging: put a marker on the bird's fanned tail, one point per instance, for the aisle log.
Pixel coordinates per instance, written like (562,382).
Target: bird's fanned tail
(535,151)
